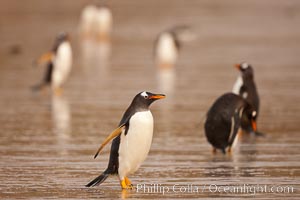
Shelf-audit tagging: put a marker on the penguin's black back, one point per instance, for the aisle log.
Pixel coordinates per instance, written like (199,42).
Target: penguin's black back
(218,122)
(252,94)
(249,87)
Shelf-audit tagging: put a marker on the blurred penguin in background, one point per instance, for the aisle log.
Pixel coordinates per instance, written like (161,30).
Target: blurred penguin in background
(96,23)
(168,44)
(95,36)
(58,62)
(246,88)
(166,50)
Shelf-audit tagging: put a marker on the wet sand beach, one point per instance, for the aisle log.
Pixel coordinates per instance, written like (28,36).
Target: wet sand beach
(47,143)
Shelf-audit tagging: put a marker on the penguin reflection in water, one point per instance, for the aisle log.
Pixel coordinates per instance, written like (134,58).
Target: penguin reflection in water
(58,62)
(224,120)
(246,88)
(131,140)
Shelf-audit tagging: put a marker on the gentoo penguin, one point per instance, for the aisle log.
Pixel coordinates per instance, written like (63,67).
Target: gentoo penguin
(245,85)
(131,140)
(87,20)
(58,62)
(96,23)
(224,119)
(168,44)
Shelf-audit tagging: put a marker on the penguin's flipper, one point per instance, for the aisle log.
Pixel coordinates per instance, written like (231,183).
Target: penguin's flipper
(235,124)
(111,136)
(100,179)
(46,57)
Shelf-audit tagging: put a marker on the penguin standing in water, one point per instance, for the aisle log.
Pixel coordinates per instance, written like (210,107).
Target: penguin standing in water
(245,85)
(131,140)
(96,23)
(166,50)
(103,24)
(58,62)
(224,120)
(87,21)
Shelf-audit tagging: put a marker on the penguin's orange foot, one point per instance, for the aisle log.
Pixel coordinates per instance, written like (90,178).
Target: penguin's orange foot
(214,150)
(103,38)
(165,65)
(229,150)
(58,91)
(126,184)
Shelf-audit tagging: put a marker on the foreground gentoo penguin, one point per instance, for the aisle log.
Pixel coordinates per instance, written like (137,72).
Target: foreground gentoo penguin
(132,140)
(96,22)
(245,85)
(224,119)
(168,44)
(58,62)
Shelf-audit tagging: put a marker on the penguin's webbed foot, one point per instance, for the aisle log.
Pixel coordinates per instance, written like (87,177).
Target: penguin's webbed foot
(58,91)
(214,150)
(229,150)
(126,184)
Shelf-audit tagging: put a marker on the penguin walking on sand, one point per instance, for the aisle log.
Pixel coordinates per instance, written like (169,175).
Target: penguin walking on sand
(224,119)
(59,64)
(131,140)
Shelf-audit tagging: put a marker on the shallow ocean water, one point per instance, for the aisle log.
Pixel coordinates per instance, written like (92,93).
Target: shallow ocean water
(47,143)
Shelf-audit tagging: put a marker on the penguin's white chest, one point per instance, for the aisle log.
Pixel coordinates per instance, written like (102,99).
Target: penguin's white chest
(237,85)
(135,145)
(166,49)
(62,64)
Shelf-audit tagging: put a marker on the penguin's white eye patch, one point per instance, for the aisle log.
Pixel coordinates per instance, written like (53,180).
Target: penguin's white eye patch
(244,65)
(254,114)
(145,95)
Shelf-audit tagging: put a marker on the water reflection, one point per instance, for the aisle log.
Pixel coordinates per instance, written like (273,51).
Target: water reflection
(61,120)
(166,81)
(95,53)
(125,194)
(95,61)
(95,29)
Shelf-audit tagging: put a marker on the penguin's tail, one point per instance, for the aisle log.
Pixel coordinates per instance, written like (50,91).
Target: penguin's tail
(97,181)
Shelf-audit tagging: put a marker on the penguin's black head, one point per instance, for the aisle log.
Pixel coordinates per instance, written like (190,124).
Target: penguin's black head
(61,37)
(144,99)
(246,70)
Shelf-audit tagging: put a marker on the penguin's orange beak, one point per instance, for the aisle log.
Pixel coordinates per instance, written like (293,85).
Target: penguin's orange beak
(254,126)
(238,66)
(157,96)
